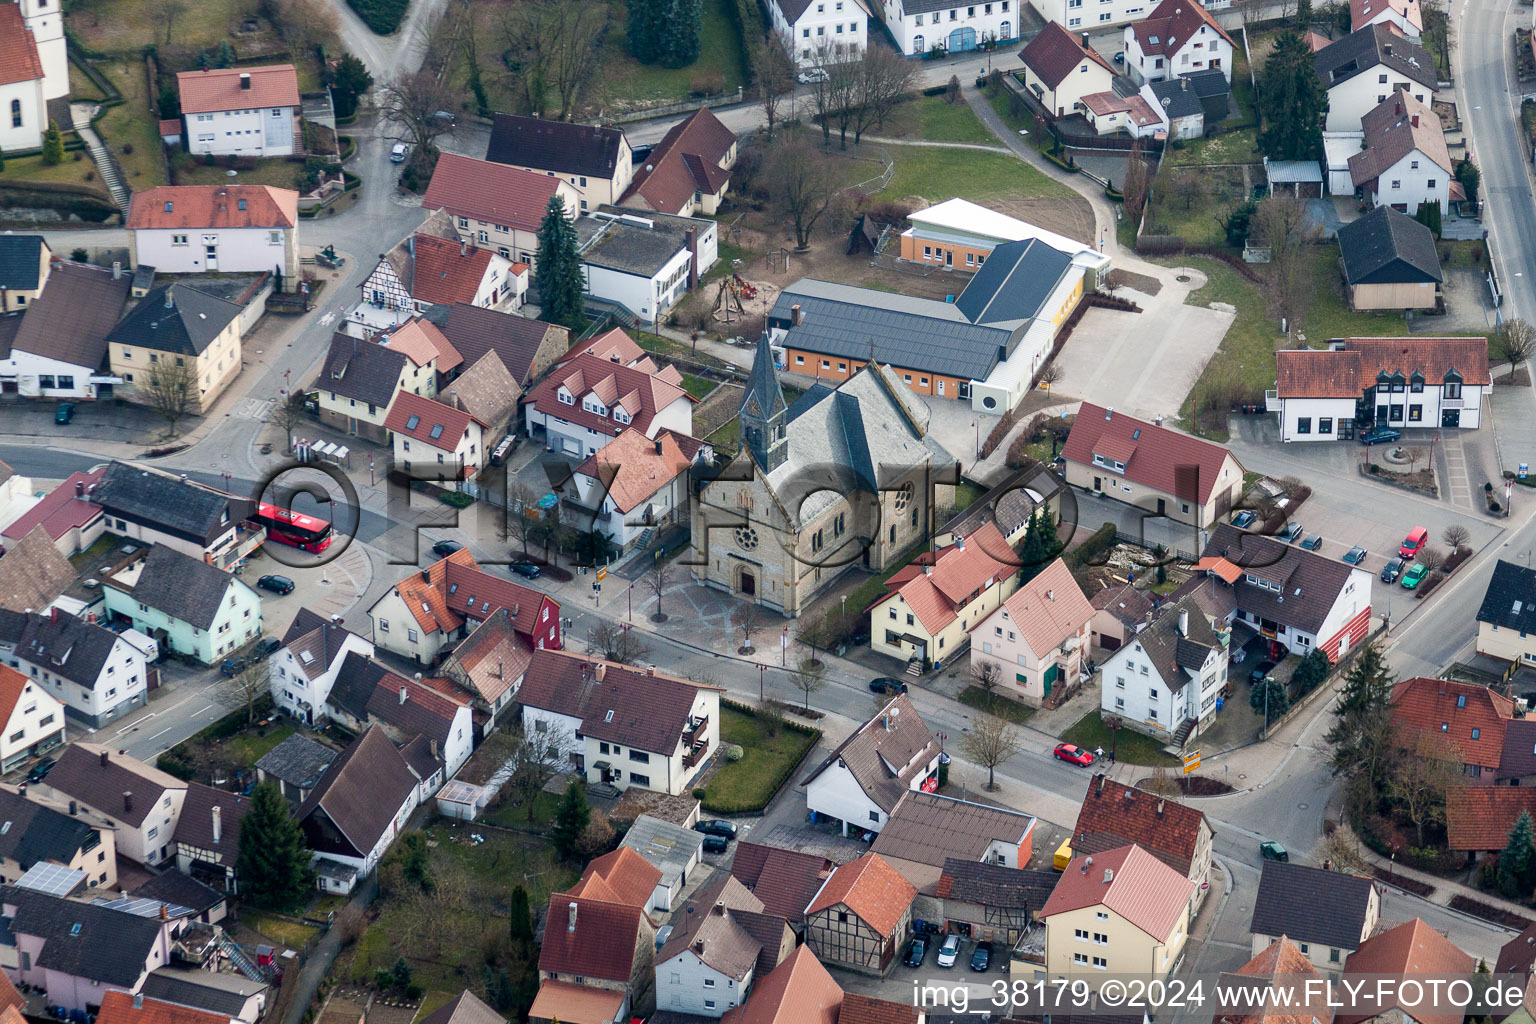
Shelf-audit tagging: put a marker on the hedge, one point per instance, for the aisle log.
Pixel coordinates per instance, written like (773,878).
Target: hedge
(1100,541)
(1488,912)
(382,16)
(1413,885)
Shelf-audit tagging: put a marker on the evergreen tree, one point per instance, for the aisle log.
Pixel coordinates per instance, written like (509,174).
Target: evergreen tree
(401,973)
(558,273)
(1269,697)
(349,81)
(1429,215)
(1292,102)
(53,144)
(1517,864)
(203,60)
(411,854)
(1033,555)
(225,57)
(1470,177)
(1361,737)
(273,864)
(501,993)
(1303,15)
(521,927)
(677,38)
(643,30)
(1312,671)
(571,820)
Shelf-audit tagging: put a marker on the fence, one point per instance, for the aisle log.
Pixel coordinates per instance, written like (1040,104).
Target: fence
(879,181)
(723,99)
(1122,537)
(1070,139)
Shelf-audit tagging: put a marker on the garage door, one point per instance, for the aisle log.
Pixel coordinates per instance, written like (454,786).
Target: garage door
(570,446)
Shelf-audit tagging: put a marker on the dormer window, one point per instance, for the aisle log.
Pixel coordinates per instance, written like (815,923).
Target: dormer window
(1416,382)
(1113,465)
(1452,384)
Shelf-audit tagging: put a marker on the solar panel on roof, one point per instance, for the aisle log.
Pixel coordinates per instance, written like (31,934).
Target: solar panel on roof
(142,906)
(53,879)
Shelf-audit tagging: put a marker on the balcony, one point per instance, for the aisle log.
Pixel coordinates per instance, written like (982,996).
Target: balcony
(1272,400)
(695,754)
(1030,949)
(696,727)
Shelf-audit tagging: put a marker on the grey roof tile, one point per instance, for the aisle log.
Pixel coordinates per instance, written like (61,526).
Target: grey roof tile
(182,587)
(1325,908)
(21,261)
(175,318)
(82,939)
(298,761)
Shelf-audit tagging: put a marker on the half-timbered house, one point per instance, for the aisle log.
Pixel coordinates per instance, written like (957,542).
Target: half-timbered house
(990,902)
(862,917)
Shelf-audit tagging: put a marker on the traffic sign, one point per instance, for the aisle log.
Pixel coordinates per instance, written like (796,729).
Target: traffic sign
(1191,761)
(602,574)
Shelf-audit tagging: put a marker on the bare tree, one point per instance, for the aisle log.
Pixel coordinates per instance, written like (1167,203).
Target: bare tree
(171,390)
(987,674)
(1430,557)
(538,756)
(1340,851)
(1188,185)
(1455,535)
(1281,223)
(516,524)
(555,48)
(243,689)
(1137,184)
(1415,455)
(410,106)
(774,68)
(817,634)
(1514,341)
(747,618)
(1050,373)
(808,677)
(657,579)
(287,413)
(1420,782)
(842,92)
(170,11)
(802,183)
(615,642)
(882,78)
(991,742)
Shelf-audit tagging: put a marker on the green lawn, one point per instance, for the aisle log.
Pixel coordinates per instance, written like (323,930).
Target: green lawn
(719,50)
(125,27)
(248,748)
(724,439)
(276,172)
(1129,747)
(674,349)
(698,386)
(1002,707)
(71,171)
(128,126)
(936,119)
(81,87)
(752,781)
(286,933)
(511,816)
(104,544)
(939,174)
(1239,147)
(967,494)
(1193,217)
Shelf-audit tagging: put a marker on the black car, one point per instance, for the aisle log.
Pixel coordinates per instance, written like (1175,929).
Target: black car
(716,827)
(1313,542)
(232,667)
(885,684)
(276,584)
(265,648)
(446,547)
(715,844)
(1260,671)
(981,957)
(916,952)
(1393,570)
(41,769)
(525,569)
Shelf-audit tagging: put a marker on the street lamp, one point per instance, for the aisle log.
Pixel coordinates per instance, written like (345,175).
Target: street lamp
(784,648)
(762,670)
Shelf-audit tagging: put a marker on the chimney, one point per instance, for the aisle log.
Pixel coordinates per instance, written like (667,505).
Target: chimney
(599,670)
(53,614)
(1386,49)
(1099,778)
(104,756)
(245,80)
(698,946)
(570,925)
(426,576)
(138,1000)
(927,568)
(218,824)
(1109,413)
(432,746)
(720,907)
(117,271)
(1183,622)
(1050,595)
(164,915)
(795,319)
(463,247)
(127,801)
(960,543)
(1414,120)
(658,446)
(1157,420)
(692,235)
(1109,875)
(1085,40)
(1160,804)
(80,489)
(170,300)
(404,693)
(885,720)
(74,809)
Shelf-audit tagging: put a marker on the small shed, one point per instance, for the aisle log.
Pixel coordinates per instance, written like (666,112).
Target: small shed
(460,800)
(865,236)
(670,848)
(170,131)
(1301,178)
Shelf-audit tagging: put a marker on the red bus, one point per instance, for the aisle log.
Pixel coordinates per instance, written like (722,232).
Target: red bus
(293,528)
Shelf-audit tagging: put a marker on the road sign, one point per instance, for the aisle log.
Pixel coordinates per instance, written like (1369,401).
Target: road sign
(602,574)
(1191,761)
(1524,470)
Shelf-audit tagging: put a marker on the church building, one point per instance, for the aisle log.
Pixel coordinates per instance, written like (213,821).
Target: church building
(34,68)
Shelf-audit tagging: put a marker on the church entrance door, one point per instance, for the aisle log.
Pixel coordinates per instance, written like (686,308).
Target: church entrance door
(748,584)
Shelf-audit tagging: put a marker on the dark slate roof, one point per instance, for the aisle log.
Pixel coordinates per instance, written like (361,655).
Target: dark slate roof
(360,794)
(1178,99)
(361,370)
(1016,279)
(179,890)
(182,587)
(474,331)
(1387,247)
(356,679)
(67,646)
(88,941)
(993,885)
(10,323)
(175,318)
(298,761)
(1518,758)
(195,825)
(1510,600)
(1374,45)
(71,318)
(81,776)
(33,833)
(560,146)
(1325,908)
(1309,583)
(168,503)
(186,988)
(21,261)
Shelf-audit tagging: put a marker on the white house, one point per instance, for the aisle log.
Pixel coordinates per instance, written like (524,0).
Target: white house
(671,848)
(142,803)
(1357,383)
(154,507)
(434,728)
(1060,68)
(1038,638)
(437,265)
(96,673)
(197,229)
(1176,38)
(1167,678)
(1405,162)
(23,105)
(1365,67)
(304,670)
(59,348)
(433,438)
(919,26)
(33,721)
(815,29)
(861,782)
(197,609)
(1406,16)
(709,964)
(634,483)
(242,111)
(587,401)
(644,262)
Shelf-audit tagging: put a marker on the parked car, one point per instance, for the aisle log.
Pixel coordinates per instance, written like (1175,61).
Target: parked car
(1393,570)
(885,684)
(397,153)
(1271,850)
(1291,531)
(981,957)
(265,648)
(41,769)
(1379,435)
(444,548)
(1414,542)
(950,951)
(1414,576)
(716,844)
(811,75)
(64,413)
(716,827)
(1355,555)
(232,667)
(1313,542)
(1119,56)
(1260,670)
(1244,519)
(276,584)
(1074,754)
(503,448)
(916,952)
(527,570)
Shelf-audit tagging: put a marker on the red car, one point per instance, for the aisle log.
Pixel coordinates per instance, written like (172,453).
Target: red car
(1074,754)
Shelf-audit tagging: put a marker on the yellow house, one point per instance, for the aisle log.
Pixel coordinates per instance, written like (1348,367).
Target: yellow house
(935,601)
(1506,622)
(178,339)
(1121,912)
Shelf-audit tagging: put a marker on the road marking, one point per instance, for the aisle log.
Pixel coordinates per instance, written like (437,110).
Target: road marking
(201,710)
(157,735)
(136,723)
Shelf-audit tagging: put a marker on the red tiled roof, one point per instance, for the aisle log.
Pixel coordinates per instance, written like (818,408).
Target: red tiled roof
(435,424)
(19,60)
(447,272)
(1142,889)
(960,571)
(1281,965)
(1479,817)
(1154,456)
(685,161)
(627,876)
(570,1003)
(1161,825)
(276,85)
(214,206)
(1361,12)
(12,685)
(1347,372)
(614,346)
(1049,608)
(641,394)
(421,342)
(590,938)
(1056,53)
(798,991)
(630,468)
(1424,710)
(59,511)
(1412,948)
(491,192)
(117,1008)
(441,601)
(862,1009)
(1220,566)
(869,887)
(1173,23)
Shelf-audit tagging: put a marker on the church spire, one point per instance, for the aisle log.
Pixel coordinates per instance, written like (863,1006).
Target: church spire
(764,414)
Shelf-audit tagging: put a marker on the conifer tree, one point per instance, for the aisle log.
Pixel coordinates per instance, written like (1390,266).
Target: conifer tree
(273,863)
(558,273)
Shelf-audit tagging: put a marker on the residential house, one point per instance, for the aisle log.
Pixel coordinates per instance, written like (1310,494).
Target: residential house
(497,207)
(816,32)
(1405,163)
(466,1008)
(181,896)
(59,348)
(233,996)
(80,954)
(621,726)
(177,332)
(861,1009)
(1040,635)
(673,850)
(932,604)
(489,393)
(357,386)
(1463,723)
(1517,959)
(16,492)
(922,26)
(1136,115)
(1214,88)
(123,1008)
(958,232)
(926,830)
(1118,614)
(1404,15)
(784,881)
(634,484)
(1155,468)
(862,917)
(593,164)
(1478,818)
(435,607)
(1507,614)
(190,606)
(1010,504)
(1177,37)
(71,664)
(587,401)
(245,111)
(868,444)
(142,803)
(1327,914)
(25,261)
(798,991)
(366,692)
(488,668)
(527,347)
(1118,911)
(357,809)
(71,521)
(437,265)
(33,574)
(992,902)
(1364,68)
(43,834)
(1517,761)
(643,264)
(1178,106)
(1060,68)
(621,876)
(437,442)
(861,782)
(303,670)
(1410,950)
(32,720)
(688,172)
(1278,986)
(158,508)
(295,766)
(1166,679)
(204,229)
(595,962)
(1113,814)
(23,101)
(208,835)
(1390,261)
(708,965)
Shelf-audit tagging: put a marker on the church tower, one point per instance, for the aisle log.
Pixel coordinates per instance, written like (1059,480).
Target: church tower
(45,20)
(764,414)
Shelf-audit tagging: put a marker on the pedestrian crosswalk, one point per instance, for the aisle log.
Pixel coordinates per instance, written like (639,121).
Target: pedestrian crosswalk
(253,408)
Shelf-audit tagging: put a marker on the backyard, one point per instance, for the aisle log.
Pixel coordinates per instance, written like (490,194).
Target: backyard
(129,131)
(126,27)
(770,754)
(277,172)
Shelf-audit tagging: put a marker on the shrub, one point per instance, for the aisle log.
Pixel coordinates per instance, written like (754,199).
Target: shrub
(127,147)
(79,155)
(382,16)
(80,256)
(1494,506)
(707,83)
(734,752)
(1100,541)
